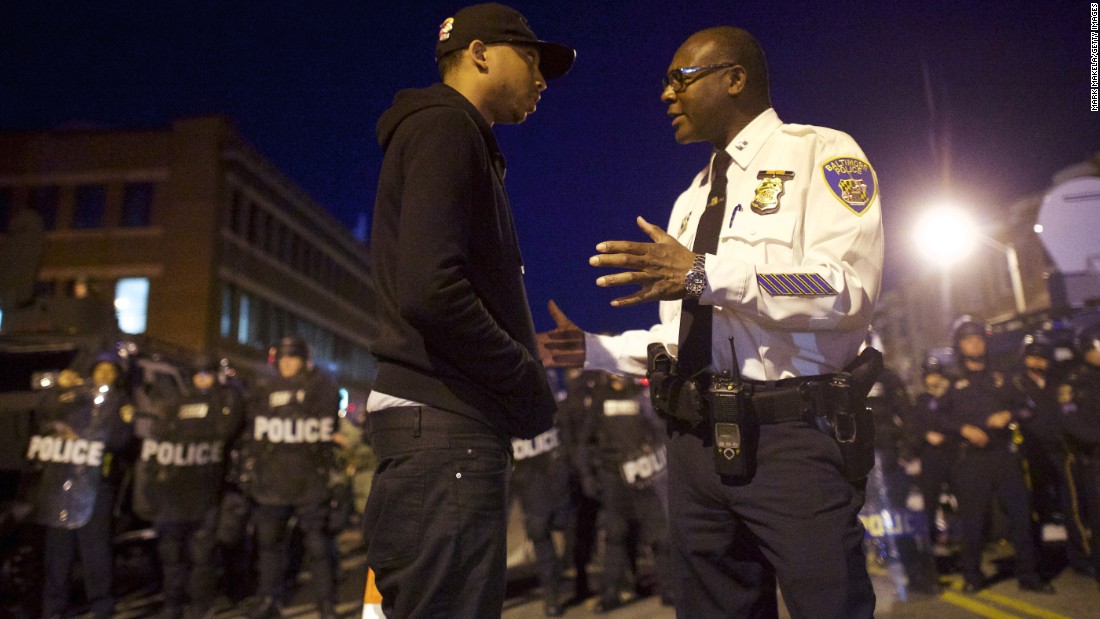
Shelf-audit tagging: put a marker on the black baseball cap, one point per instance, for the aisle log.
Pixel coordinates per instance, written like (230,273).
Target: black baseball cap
(496,23)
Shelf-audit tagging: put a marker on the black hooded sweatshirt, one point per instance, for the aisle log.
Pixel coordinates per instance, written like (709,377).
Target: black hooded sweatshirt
(453,326)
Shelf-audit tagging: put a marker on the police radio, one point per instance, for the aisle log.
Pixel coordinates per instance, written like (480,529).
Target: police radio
(727,399)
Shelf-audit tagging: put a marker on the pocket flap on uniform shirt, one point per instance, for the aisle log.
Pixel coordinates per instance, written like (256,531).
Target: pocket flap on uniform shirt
(753,229)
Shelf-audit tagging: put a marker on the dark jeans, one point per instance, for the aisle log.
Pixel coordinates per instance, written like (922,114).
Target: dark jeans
(795,521)
(436,517)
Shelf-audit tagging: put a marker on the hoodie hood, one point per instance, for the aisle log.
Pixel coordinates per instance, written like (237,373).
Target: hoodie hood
(410,101)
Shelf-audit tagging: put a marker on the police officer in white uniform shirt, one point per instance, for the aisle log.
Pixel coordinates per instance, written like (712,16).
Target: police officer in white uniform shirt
(767,488)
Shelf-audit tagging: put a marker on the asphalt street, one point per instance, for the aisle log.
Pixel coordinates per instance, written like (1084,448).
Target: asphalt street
(1076,597)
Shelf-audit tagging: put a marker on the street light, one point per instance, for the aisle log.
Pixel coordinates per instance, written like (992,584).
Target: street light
(948,234)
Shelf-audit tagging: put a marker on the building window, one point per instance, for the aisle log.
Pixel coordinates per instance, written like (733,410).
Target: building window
(243,318)
(267,243)
(132,302)
(227,311)
(5,207)
(259,228)
(137,205)
(90,207)
(238,215)
(45,201)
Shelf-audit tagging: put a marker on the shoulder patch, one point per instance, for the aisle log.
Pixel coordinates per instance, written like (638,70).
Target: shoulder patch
(852,181)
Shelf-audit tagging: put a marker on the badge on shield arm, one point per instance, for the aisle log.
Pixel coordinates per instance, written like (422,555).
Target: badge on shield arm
(852,181)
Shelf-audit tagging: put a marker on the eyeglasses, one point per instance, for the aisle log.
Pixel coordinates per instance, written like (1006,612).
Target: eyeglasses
(683,77)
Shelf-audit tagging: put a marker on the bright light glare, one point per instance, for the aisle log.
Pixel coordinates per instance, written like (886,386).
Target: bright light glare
(945,236)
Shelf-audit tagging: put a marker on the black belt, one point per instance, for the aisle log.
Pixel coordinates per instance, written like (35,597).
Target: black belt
(425,427)
(790,399)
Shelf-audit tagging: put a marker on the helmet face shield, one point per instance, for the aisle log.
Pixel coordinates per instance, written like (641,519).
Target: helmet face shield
(970,338)
(1088,341)
(292,347)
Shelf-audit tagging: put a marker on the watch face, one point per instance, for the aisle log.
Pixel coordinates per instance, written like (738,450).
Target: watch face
(695,282)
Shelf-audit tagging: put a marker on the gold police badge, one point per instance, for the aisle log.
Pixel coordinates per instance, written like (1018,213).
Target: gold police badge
(769,191)
(1065,394)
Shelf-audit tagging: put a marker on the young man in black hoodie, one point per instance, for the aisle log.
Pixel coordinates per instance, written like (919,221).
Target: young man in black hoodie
(458,371)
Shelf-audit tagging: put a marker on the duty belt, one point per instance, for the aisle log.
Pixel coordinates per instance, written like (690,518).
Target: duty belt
(790,399)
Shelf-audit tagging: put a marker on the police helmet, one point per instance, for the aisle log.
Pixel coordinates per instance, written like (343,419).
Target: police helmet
(968,325)
(108,356)
(931,365)
(1038,348)
(292,346)
(1088,339)
(206,363)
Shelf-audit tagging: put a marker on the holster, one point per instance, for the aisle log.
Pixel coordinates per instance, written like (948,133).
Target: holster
(846,415)
(674,397)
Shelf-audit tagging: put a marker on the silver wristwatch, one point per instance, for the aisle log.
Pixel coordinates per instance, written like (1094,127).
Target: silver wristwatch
(696,279)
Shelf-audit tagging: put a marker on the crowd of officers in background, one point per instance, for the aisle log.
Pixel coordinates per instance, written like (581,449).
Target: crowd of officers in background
(1016,447)
(227,475)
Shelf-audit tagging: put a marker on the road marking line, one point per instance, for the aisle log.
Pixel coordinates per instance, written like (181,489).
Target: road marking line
(975,606)
(1021,606)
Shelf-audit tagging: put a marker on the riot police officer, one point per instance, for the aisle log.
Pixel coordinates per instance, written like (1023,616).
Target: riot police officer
(1049,466)
(982,402)
(581,535)
(889,404)
(622,447)
(290,423)
(540,481)
(1079,401)
(178,481)
(82,424)
(937,446)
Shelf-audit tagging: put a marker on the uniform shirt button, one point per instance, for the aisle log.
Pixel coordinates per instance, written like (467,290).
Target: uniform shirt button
(458,475)
(68,485)
(470,452)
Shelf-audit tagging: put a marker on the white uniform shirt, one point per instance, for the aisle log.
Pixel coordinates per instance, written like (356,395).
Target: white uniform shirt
(796,284)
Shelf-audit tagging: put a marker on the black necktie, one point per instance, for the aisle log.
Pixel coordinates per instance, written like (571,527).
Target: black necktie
(696,319)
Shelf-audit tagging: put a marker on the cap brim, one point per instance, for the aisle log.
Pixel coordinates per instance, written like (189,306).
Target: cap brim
(555,59)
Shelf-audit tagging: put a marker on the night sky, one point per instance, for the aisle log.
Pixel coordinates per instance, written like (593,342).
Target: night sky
(305,83)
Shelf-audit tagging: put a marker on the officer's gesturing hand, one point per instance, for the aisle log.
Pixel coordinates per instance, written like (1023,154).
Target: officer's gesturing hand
(658,267)
(563,346)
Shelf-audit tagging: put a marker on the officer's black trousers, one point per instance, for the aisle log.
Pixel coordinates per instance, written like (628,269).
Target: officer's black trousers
(981,476)
(92,544)
(271,541)
(936,466)
(186,552)
(1089,467)
(796,521)
(542,489)
(436,517)
(624,505)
